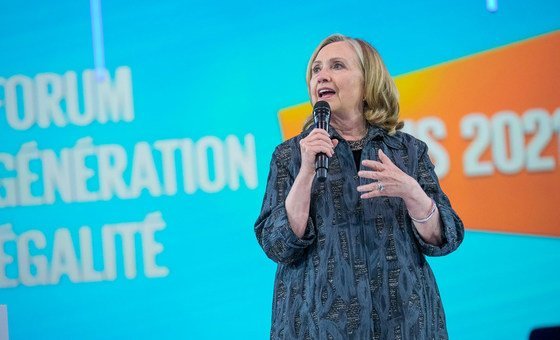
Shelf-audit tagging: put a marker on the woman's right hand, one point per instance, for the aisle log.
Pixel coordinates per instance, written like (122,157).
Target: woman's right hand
(299,197)
(316,142)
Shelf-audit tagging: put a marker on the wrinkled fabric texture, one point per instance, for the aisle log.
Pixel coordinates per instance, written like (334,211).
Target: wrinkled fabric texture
(359,271)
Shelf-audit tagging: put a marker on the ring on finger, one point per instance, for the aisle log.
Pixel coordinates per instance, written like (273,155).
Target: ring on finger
(380,186)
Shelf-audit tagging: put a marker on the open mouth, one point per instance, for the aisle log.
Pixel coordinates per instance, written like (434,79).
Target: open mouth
(325,93)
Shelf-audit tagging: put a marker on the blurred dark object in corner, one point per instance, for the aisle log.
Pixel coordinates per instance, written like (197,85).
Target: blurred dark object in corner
(545,333)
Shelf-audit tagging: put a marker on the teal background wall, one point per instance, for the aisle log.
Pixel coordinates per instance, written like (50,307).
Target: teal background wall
(210,77)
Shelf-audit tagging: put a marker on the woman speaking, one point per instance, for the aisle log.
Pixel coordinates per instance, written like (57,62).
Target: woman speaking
(350,250)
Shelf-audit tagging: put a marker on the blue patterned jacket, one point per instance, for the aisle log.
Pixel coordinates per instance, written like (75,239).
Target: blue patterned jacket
(359,271)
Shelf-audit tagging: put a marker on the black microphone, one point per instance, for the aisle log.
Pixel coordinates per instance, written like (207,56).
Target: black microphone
(322,117)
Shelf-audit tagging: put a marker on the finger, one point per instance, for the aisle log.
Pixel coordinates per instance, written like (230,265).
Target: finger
(316,147)
(367,187)
(315,141)
(373,190)
(317,131)
(320,143)
(326,139)
(368,174)
(371,194)
(334,142)
(327,150)
(375,165)
(384,158)
(324,136)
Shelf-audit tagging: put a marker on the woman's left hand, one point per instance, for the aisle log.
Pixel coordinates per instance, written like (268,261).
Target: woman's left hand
(390,180)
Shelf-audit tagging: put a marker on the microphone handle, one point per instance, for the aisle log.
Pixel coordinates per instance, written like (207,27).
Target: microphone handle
(321,167)
(322,161)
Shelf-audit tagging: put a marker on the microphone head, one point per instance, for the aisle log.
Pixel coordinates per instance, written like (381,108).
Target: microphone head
(321,104)
(322,112)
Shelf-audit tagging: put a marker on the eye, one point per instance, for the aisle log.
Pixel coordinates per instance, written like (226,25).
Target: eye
(316,69)
(338,65)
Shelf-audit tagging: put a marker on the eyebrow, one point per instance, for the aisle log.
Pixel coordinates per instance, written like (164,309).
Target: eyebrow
(331,60)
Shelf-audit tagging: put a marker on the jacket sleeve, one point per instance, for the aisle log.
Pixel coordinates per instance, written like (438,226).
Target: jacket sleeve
(452,226)
(273,231)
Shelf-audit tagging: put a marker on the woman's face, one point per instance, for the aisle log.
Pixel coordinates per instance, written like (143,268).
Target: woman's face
(336,77)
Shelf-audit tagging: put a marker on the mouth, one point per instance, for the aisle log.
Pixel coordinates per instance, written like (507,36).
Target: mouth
(325,93)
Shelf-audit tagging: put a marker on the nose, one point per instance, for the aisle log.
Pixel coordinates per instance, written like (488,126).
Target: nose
(323,76)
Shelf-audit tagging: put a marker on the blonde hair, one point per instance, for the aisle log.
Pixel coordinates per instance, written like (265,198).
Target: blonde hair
(381,97)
